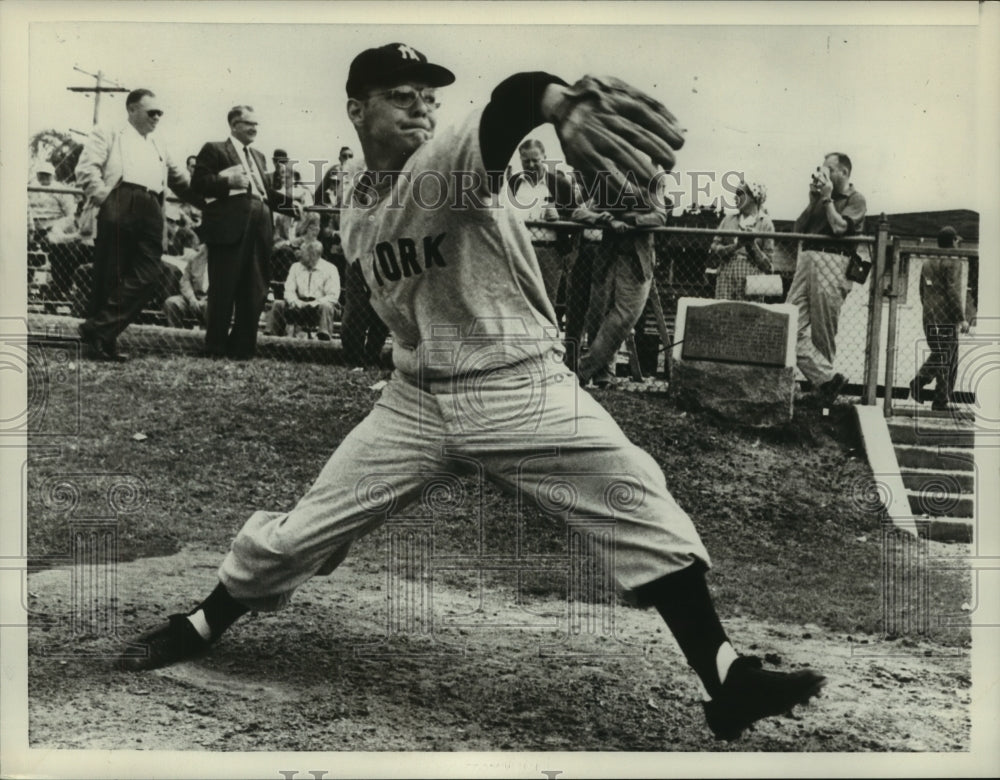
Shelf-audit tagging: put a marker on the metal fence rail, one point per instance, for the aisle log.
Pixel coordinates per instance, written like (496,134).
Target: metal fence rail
(60,262)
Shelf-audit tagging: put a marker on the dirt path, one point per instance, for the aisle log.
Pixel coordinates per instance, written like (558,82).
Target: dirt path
(491,676)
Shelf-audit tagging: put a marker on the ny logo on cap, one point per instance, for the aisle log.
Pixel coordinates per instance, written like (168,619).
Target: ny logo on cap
(407,52)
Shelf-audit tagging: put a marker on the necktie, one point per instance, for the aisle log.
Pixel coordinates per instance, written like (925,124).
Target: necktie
(255,184)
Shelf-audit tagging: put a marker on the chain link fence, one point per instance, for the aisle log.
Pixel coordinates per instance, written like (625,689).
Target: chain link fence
(924,320)
(574,258)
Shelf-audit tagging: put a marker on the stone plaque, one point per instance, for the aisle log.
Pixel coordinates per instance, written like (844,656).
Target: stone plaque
(735,332)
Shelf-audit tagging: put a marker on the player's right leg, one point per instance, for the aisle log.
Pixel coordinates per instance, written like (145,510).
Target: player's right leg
(379,468)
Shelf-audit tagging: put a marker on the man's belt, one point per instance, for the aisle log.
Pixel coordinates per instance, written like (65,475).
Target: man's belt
(833,249)
(156,194)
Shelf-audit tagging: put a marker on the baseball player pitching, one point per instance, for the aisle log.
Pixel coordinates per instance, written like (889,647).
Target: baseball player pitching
(479,373)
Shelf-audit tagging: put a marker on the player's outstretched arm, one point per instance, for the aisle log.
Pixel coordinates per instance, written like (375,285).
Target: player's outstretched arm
(607,128)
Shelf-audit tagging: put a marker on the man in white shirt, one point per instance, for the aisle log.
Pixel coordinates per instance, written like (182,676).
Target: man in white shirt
(192,301)
(540,192)
(124,172)
(312,292)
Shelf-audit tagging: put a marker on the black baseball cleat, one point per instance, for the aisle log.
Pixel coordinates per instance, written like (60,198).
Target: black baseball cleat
(170,642)
(751,693)
(916,390)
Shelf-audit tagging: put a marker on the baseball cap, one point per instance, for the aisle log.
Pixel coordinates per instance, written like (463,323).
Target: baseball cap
(279,154)
(949,232)
(391,64)
(45,167)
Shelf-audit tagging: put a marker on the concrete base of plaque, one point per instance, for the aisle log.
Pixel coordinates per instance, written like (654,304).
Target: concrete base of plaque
(750,395)
(736,359)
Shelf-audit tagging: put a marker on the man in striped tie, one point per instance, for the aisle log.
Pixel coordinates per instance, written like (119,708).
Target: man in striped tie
(237,229)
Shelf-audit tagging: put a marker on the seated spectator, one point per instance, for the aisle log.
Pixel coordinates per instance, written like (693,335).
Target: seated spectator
(52,229)
(46,209)
(740,257)
(312,293)
(289,236)
(622,276)
(192,301)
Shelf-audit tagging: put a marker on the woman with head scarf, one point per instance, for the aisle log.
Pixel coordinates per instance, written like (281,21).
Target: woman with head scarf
(739,256)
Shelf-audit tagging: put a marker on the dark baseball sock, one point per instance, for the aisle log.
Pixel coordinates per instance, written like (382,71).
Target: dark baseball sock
(220,610)
(683,600)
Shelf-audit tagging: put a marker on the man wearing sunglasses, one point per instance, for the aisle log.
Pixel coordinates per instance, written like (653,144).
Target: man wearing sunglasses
(479,386)
(124,172)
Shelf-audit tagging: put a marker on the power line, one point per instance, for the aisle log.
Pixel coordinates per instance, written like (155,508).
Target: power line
(101,85)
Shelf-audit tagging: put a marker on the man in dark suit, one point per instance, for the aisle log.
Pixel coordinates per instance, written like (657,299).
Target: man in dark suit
(237,229)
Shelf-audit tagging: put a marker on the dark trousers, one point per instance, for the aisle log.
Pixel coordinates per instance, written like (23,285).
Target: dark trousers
(237,284)
(578,285)
(941,366)
(362,333)
(127,268)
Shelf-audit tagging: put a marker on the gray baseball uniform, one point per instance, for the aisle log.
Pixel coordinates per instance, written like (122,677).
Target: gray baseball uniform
(479,377)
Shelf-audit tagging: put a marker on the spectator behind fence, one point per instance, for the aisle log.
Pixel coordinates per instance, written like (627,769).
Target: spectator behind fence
(622,276)
(192,301)
(52,229)
(945,314)
(45,209)
(279,159)
(741,257)
(312,292)
(820,284)
(362,332)
(289,236)
(123,172)
(330,190)
(237,228)
(541,192)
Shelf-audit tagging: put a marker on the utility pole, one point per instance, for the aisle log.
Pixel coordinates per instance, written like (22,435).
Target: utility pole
(97,89)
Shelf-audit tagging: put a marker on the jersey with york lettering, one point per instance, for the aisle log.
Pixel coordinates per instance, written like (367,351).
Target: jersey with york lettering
(451,273)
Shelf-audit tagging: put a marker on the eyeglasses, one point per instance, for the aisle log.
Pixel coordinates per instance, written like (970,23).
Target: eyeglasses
(405,97)
(154,113)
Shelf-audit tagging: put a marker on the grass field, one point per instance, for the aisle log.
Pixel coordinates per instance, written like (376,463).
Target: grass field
(782,512)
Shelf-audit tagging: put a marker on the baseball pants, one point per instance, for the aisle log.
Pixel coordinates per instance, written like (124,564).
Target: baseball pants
(551,443)
(818,290)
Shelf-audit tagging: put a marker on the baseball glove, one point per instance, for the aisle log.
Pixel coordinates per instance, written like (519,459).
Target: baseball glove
(610,129)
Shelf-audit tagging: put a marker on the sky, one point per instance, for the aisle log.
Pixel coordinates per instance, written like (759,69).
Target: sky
(767,99)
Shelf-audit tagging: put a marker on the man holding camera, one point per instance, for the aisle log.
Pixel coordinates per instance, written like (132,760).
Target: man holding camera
(821,284)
